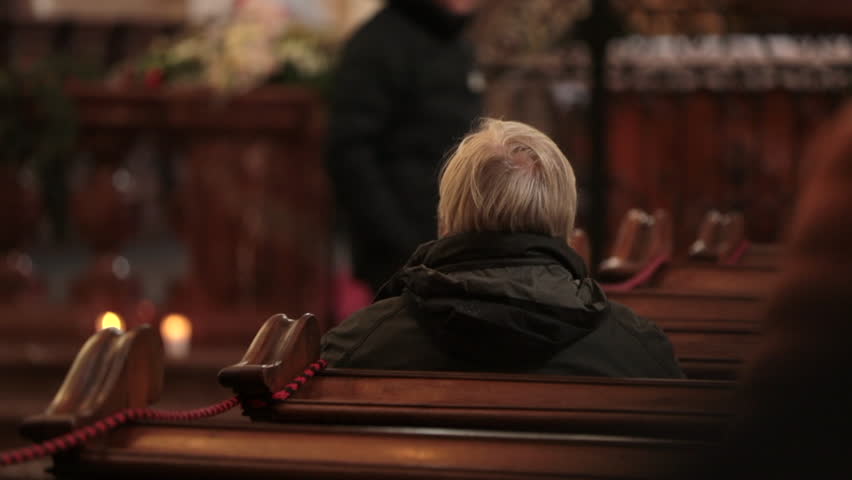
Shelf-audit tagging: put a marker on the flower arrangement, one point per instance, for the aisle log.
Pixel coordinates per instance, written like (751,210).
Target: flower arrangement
(257,44)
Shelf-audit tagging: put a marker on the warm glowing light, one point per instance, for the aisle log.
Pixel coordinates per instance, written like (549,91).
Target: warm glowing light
(110,320)
(176,331)
(175,326)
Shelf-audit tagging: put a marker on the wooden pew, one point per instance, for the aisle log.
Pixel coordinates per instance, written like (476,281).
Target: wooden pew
(712,335)
(755,281)
(722,239)
(706,307)
(723,261)
(655,408)
(719,237)
(642,258)
(660,305)
(712,349)
(643,240)
(454,443)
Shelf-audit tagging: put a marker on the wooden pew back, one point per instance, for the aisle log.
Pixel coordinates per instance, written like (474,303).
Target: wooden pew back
(659,408)
(717,279)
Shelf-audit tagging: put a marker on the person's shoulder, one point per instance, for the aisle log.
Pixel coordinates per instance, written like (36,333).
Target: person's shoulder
(342,341)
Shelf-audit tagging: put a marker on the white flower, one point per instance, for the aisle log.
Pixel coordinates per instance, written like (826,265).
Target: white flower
(242,51)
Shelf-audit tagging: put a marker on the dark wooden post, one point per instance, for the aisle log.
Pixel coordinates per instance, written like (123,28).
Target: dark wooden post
(597,30)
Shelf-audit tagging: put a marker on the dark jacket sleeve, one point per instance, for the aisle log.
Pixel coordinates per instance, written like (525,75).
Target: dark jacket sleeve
(660,347)
(367,83)
(661,359)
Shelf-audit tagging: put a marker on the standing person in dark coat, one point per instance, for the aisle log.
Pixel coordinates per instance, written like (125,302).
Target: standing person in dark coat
(501,290)
(405,91)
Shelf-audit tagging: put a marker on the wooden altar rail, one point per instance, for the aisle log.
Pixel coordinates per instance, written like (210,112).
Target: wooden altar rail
(495,433)
(252,207)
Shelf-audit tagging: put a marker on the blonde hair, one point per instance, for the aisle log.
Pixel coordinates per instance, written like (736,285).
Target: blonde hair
(507,177)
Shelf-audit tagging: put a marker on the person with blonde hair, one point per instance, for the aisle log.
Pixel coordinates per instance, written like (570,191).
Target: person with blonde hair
(501,290)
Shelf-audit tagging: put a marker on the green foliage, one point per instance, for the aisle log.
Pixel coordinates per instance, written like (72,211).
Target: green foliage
(38,123)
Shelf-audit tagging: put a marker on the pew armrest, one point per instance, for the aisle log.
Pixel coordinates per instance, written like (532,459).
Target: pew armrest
(706,245)
(112,371)
(278,353)
(623,262)
(721,238)
(650,249)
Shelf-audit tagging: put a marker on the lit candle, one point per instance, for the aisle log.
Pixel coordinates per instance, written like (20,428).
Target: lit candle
(176,331)
(109,320)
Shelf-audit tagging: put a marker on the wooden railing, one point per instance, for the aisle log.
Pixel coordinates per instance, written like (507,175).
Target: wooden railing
(253,209)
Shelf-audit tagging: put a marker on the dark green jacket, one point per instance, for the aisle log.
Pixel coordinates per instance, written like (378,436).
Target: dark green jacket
(491,302)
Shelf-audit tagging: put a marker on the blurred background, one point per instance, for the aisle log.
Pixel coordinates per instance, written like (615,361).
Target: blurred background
(163,160)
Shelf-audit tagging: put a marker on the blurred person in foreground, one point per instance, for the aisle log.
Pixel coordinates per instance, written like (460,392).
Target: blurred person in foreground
(501,290)
(406,90)
(792,421)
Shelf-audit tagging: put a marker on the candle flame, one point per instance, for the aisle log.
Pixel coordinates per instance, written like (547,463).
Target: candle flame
(110,320)
(175,327)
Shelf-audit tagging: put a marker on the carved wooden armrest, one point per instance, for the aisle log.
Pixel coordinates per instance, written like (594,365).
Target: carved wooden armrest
(706,245)
(279,352)
(112,371)
(630,242)
(649,255)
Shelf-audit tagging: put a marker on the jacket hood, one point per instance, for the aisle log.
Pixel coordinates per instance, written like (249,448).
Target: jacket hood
(500,299)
